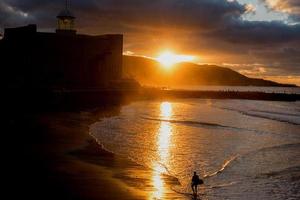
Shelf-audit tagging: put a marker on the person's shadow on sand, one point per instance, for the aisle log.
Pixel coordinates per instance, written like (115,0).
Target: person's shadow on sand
(196,197)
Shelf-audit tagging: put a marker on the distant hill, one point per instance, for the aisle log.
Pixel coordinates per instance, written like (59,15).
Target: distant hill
(149,72)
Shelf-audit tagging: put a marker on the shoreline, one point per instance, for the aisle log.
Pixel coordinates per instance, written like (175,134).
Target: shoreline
(53,100)
(66,162)
(152,93)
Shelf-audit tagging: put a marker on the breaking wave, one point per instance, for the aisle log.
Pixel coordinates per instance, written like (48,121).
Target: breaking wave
(267,115)
(226,163)
(189,122)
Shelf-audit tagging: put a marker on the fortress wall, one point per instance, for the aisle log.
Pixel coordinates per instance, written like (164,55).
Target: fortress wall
(51,60)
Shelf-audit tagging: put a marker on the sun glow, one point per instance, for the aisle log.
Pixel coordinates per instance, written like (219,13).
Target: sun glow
(168,59)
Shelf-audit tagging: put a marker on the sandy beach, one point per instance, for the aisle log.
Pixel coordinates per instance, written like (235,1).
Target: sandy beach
(56,158)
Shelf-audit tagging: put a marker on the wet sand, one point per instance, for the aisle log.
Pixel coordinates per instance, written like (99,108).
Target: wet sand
(56,158)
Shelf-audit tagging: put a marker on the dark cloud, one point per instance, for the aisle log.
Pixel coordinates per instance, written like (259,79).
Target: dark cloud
(174,13)
(213,27)
(258,32)
(294,17)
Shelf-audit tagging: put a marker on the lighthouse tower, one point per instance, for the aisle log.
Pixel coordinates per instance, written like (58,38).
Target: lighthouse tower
(66,20)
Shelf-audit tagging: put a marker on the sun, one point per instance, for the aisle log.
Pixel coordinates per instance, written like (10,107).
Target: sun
(168,59)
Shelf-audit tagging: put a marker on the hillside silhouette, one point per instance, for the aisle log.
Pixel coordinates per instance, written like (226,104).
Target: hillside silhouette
(149,72)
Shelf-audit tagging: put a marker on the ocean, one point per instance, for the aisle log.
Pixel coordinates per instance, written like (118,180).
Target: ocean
(285,90)
(242,149)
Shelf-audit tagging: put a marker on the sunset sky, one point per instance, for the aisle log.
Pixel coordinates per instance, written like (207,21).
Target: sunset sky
(258,38)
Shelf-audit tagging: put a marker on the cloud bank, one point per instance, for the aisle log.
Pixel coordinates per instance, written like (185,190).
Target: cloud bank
(213,29)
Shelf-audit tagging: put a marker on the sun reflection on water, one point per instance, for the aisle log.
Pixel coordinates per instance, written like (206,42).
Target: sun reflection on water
(166,110)
(164,134)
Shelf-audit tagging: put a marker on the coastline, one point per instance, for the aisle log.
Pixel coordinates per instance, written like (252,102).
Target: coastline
(60,159)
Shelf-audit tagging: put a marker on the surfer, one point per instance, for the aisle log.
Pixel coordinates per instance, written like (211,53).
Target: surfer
(195,182)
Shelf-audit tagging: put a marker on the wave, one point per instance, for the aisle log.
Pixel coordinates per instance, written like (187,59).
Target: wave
(291,171)
(266,149)
(189,122)
(233,158)
(256,114)
(282,146)
(222,185)
(166,173)
(175,182)
(226,163)
(166,169)
(207,124)
(277,113)
(186,193)
(206,187)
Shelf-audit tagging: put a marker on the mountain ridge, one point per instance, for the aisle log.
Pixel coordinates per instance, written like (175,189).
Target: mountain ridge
(149,72)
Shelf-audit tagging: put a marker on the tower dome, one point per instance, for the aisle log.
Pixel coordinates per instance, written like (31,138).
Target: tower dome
(66,20)
(66,13)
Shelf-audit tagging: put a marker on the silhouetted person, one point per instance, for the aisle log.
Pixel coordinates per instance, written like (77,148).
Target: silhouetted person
(195,182)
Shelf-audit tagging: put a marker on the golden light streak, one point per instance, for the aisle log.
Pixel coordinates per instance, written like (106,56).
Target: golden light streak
(163,148)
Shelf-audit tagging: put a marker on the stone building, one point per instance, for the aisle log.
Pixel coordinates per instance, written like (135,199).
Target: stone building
(63,59)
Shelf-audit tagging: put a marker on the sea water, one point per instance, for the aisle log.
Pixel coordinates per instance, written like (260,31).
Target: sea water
(243,149)
(285,90)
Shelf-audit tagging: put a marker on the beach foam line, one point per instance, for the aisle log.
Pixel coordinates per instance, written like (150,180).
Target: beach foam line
(189,122)
(165,173)
(277,113)
(226,163)
(259,114)
(213,125)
